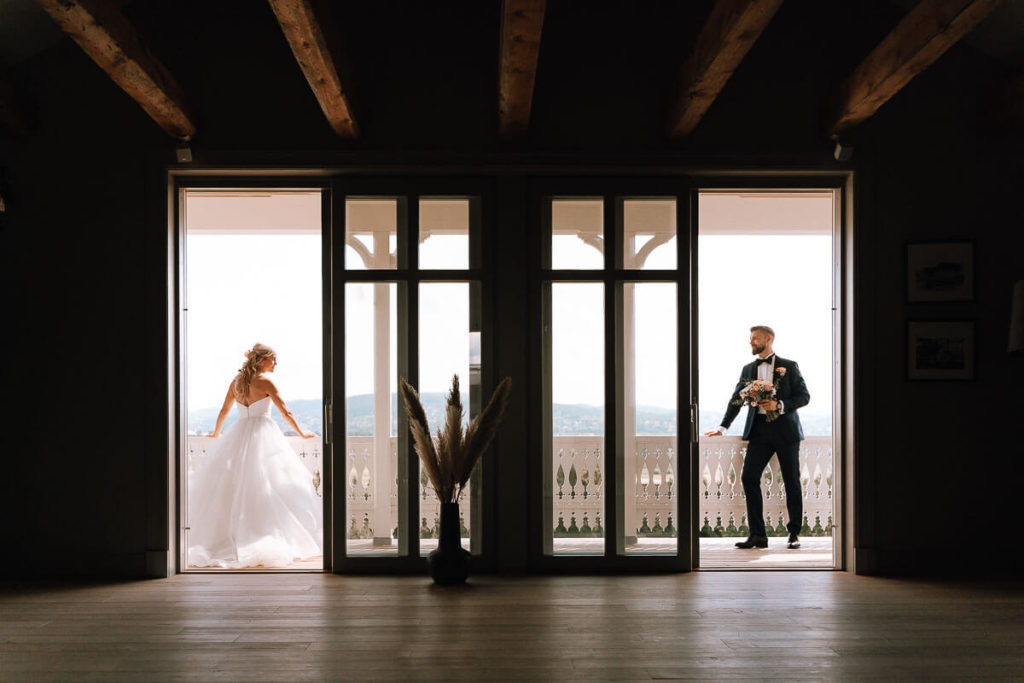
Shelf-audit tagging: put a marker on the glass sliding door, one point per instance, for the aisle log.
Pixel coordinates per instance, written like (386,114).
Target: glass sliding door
(610,301)
(412,287)
(449,345)
(649,351)
(371,379)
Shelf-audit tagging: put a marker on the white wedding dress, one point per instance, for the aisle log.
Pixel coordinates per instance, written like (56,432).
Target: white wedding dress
(251,502)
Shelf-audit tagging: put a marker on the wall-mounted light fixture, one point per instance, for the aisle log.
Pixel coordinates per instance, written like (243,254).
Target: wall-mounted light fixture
(843,151)
(1016,346)
(183,153)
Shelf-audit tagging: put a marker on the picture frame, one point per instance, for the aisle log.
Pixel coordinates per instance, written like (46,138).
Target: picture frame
(940,350)
(940,271)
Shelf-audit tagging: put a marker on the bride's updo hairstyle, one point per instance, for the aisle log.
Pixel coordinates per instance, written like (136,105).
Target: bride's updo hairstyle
(250,368)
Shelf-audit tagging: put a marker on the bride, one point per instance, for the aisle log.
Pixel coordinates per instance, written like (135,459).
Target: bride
(251,502)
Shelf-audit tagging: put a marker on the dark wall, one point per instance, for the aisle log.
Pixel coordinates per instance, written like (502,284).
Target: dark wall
(84,265)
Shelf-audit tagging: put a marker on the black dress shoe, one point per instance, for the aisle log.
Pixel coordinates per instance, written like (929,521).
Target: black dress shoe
(794,542)
(753,542)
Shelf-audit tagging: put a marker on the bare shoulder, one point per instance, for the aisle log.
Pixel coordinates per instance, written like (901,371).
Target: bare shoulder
(263,384)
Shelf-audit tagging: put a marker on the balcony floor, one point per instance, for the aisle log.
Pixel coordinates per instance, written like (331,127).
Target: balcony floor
(815,552)
(715,553)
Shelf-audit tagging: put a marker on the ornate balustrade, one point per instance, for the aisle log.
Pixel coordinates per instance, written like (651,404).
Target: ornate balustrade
(578,481)
(723,505)
(578,487)
(361,489)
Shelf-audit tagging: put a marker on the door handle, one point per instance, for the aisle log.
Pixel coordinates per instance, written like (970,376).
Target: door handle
(693,423)
(328,421)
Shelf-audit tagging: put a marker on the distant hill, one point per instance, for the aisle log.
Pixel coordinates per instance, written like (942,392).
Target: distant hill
(308,413)
(567,419)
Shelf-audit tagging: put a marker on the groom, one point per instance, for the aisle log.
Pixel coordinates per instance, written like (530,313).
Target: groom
(781,436)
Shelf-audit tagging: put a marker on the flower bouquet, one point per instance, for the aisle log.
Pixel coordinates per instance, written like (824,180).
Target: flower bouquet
(756,391)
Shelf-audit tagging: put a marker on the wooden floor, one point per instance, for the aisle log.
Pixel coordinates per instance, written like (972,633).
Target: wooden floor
(739,625)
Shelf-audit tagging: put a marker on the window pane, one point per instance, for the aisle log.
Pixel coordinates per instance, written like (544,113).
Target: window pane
(371,443)
(577,234)
(576,494)
(371,233)
(445,349)
(444,234)
(649,233)
(650,419)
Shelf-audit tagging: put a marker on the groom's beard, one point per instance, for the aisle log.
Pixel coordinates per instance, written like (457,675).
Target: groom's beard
(756,350)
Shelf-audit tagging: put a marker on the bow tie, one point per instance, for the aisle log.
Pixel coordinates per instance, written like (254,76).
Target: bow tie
(769,359)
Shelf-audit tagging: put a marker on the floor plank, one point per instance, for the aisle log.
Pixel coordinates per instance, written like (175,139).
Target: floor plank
(289,626)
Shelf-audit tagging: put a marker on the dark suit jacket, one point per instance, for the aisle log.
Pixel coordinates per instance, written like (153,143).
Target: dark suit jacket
(792,392)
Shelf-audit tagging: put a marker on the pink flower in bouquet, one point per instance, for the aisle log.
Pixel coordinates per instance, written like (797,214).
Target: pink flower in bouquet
(756,391)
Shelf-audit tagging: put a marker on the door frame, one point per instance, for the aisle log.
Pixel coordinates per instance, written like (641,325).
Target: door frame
(840,184)
(178,183)
(509,184)
(406,186)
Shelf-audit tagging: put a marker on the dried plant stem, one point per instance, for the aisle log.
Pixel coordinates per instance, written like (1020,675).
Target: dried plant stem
(449,459)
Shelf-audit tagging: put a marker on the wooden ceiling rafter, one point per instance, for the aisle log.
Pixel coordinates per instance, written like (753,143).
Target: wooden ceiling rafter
(309,44)
(917,41)
(522,22)
(731,30)
(112,42)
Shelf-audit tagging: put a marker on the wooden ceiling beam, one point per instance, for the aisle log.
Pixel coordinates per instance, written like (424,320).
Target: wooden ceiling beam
(521,24)
(730,31)
(109,38)
(921,37)
(307,40)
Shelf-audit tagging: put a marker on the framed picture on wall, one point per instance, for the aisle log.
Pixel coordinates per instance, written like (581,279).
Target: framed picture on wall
(942,350)
(940,271)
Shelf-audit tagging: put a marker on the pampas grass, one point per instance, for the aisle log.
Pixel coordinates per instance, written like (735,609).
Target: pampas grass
(449,458)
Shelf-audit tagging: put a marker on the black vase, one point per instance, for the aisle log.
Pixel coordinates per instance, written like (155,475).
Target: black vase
(449,564)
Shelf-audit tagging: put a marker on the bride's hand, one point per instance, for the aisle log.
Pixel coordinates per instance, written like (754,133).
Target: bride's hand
(309,435)
(213,436)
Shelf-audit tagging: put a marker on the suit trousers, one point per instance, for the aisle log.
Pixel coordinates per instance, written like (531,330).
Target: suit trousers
(765,440)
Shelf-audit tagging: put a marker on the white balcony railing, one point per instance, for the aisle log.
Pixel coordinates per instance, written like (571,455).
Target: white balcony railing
(723,505)
(578,491)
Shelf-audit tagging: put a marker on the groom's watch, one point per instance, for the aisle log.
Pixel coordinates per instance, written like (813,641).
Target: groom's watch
(782,410)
